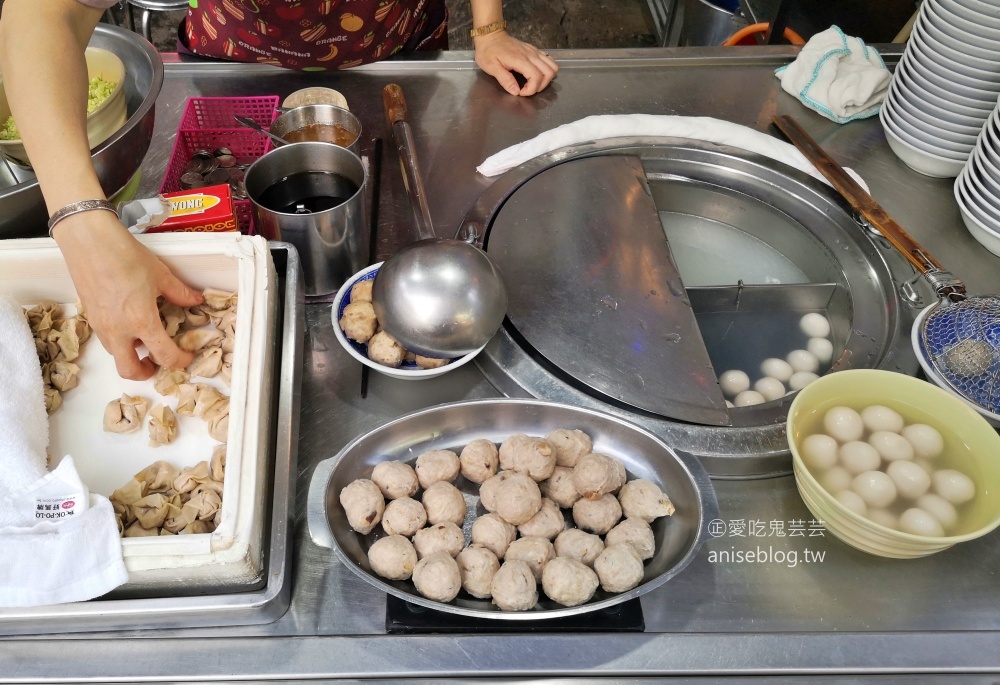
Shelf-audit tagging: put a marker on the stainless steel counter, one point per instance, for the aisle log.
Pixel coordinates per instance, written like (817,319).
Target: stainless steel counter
(847,613)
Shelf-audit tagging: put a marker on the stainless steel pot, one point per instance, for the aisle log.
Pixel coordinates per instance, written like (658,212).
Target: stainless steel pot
(116,160)
(451,426)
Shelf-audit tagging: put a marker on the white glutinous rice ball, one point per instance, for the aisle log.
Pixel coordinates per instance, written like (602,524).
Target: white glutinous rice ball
(569,582)
(514,587)
(892,446)
(404,516)
(748,398)
(883,518)
(918,522)
(875,488)
(821,348)
(819,452)
(580,545)
(910,479)
(836,479)
(619,568)
(777,368)
(880,418)
(734,382)
(392,557)
(364,505)
(926,440)
(437,577)
(814,325)
(770,388)
(478,565)
(852,501)
(940,508)
(843,424)
(803,360)
(801,379)
(858,457)
(395,479)
(954,486)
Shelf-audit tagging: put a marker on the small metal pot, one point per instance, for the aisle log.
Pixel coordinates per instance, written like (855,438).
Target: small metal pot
(316,123)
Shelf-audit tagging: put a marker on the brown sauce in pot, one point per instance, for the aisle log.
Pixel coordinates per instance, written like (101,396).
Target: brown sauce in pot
(326,133)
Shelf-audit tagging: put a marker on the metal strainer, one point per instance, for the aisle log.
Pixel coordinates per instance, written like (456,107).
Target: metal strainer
(959,336)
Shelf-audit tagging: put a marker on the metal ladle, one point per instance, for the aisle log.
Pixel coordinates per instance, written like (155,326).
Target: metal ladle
(251,124)
(959,335)
(437,297)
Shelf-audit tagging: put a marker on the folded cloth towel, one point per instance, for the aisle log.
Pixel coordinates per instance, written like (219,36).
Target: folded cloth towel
(599,127)
(60,542)
(838,76)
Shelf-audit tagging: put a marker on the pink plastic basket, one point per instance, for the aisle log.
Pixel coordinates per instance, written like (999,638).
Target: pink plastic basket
(245,144)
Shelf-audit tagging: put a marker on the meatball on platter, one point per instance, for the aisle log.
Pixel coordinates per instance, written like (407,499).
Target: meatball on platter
(577,510)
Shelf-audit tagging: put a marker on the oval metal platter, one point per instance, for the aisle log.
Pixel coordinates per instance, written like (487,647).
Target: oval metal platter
(452,426)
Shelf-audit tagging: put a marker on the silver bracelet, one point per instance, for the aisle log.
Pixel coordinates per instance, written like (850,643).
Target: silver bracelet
(77,207)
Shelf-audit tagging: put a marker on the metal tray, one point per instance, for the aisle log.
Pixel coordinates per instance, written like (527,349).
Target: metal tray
(240,608)
(451,426)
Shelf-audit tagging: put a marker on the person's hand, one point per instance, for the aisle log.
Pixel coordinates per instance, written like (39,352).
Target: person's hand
(498,54)
(118,281)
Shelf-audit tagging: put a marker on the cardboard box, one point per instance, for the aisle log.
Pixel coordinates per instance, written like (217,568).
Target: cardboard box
(200,210)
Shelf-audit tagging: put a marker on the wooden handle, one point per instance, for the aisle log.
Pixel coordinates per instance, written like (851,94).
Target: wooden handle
(864,203)
(395,104)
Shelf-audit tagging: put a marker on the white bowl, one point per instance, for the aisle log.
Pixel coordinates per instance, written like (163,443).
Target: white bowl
(920,161)
(934,376)
(909,93)
(977,196)
(931,128)
(989,143)
(984,24)
(991,11)
(981,66)
(955,39)
(947,67)
(940,97)
(986,168)
(920,143)
(984,225)
(409,370)
(948,78)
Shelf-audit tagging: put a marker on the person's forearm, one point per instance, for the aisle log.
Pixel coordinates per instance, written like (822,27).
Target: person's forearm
(45,77)
(485,12)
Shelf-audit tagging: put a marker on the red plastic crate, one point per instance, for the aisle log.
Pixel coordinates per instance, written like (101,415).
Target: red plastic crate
(215,113)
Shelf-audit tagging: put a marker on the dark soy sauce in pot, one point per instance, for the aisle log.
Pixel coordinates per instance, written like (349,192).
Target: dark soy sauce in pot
(308,192)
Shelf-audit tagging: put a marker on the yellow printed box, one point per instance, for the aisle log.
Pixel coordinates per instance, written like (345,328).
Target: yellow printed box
(200,210)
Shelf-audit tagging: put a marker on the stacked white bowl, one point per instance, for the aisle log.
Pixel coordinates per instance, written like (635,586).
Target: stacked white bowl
(945,86)
(977,189)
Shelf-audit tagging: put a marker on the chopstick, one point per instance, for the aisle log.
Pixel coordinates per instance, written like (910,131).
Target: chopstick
(376,179)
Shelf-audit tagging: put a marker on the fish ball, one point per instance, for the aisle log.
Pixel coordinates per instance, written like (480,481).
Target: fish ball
(518,499)
(598,474)
(734,382)
(363,503)
(437,465)
(926,440)
(559,487)
(815,325)
(547,523)
(858,457)
(954,486)
(514,587)
(875,488)
(444,537)
(570,446)
(492,532)
(392,557)
(918,522)
(533,456)
(569,582)
(769,388)
(404,516)
(843,424)
(444,502)
(479,460)
(477,566)
(580,545)
(597,515)
(748,398)
(821,348)
(636,532)
(910,479)
(395,479)
(879,418)
(534,551)
(488,490)
(644,500)
(777,368)
(437,577)
(358,321)
(384,350)
(819,452)
(619,568)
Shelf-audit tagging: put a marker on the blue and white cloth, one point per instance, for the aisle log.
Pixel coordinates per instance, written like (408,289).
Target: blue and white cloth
(838,76)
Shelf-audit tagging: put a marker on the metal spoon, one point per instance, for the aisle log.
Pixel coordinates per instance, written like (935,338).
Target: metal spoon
(250,123)
(438,297)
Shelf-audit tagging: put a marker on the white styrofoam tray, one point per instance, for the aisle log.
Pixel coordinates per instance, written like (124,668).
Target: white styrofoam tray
(33,270)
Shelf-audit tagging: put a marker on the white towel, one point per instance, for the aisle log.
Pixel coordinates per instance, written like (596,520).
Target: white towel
(838,76)
(599,127)
(59,542)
